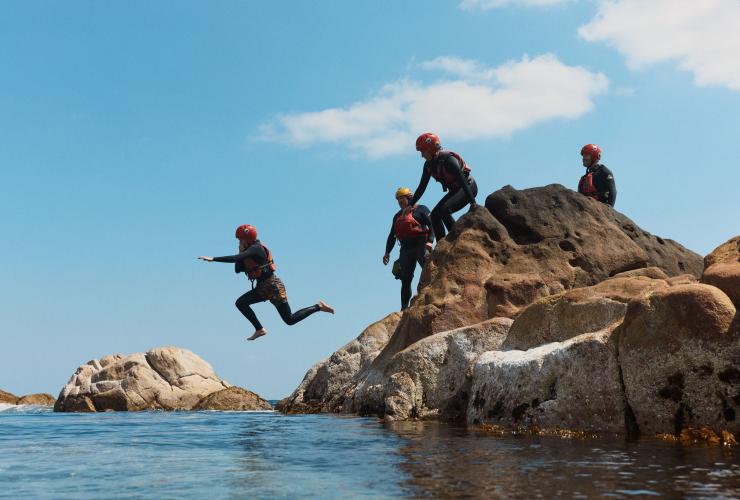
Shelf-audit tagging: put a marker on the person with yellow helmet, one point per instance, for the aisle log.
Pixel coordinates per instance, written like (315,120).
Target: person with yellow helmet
(412,227)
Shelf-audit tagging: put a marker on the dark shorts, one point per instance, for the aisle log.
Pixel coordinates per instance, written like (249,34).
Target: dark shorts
(272,289)
(409,257)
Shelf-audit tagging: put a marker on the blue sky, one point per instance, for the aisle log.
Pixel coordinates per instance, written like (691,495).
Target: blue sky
(136,136)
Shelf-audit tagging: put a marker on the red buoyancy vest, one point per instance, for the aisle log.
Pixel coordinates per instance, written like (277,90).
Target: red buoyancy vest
(447,178)
(407,227)
(586,186)
(255,270)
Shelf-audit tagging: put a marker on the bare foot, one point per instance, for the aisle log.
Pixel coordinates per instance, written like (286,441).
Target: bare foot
(257,334)
(323,306)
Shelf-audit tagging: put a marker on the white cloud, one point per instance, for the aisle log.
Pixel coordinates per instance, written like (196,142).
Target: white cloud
(477,103)
(703,36)
(493,4)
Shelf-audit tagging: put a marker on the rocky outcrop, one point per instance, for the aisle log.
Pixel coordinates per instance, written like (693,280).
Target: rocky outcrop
(324,387)
(679,353)
(165,378)
(41,399)
(547,309)
(6,397)
(429,379)
(573,384)
(523,246)
(722,269)
(233,399)
(29,399)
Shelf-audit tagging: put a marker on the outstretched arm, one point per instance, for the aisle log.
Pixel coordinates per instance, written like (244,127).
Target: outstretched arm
(423,182)
(229,258)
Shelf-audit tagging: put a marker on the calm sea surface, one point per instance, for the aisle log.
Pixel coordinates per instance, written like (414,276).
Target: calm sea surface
(269,455)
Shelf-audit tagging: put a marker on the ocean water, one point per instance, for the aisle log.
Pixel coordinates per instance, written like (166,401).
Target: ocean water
(269,455)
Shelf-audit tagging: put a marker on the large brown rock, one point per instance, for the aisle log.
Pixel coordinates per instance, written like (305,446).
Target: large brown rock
(6,397)
(568,314)
(166,378)
(233,399)
(549,246)
(325,386)
(722,269)
(523,246)
(679,352)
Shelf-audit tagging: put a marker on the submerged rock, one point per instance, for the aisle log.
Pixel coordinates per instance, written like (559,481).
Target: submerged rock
(165,378)
(233,398)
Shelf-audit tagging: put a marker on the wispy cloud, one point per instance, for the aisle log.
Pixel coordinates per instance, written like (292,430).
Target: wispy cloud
(703,36)
(470,101)
(494,4)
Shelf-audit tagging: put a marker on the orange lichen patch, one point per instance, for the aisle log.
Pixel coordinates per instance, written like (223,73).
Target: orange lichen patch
(704,435)
(499,431)
(671,438)
(728,439)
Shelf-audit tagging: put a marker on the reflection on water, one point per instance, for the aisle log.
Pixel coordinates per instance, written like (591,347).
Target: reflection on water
(269,455)
(444,461)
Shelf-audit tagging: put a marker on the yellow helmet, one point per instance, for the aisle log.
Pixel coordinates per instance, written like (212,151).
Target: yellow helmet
(403,191)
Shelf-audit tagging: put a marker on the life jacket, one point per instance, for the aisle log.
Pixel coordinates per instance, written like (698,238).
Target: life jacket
(407,227)
(586,186)
(448,179)
(255,270)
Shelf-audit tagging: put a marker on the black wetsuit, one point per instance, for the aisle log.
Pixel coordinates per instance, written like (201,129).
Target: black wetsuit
(603,180)
(462,192)
(268,287)
(413,250)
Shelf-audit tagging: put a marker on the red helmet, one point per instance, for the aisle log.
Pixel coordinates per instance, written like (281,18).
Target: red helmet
(592,150)
(246,233)
(428,142)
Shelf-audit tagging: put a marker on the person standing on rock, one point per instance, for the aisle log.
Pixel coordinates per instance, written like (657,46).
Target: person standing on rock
(598,181)
(255,260)
(450,170)
(412,226)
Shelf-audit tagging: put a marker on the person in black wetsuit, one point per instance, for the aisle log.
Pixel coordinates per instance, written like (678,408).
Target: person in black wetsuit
(255,260)
(412,226)
(449,169)
(598,181)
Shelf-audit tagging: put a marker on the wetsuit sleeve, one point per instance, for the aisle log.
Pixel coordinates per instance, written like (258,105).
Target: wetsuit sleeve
(452,165)
(253,251)
(422,215)
(611,186)
(423,183)
(391,237)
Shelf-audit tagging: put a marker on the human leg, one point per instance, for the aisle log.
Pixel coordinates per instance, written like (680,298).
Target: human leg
(243,303)
(437,215)
(408,257)
(455,202)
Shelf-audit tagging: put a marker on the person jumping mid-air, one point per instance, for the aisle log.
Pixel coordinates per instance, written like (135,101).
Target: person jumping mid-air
(412,226)
(255,260)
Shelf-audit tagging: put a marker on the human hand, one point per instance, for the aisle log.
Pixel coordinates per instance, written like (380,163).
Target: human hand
(386,258)
(207,259)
